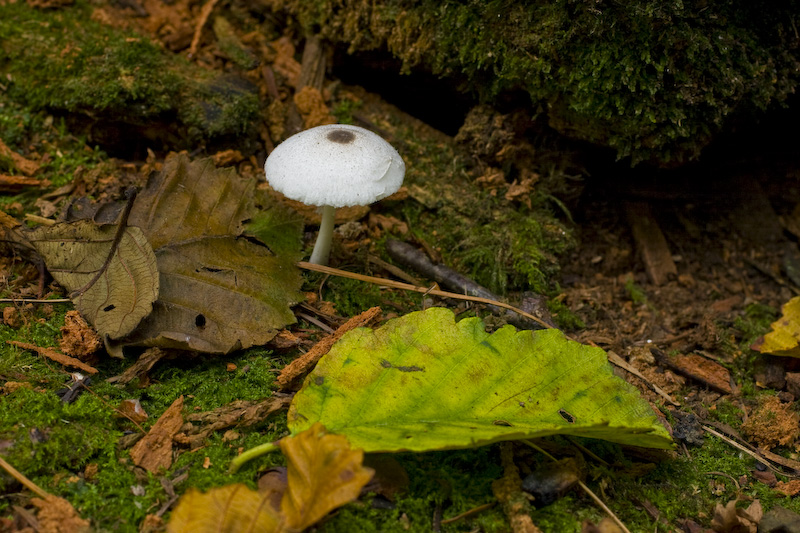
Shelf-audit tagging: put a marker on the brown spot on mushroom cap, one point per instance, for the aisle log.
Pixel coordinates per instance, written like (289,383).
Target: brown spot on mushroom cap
(341,136)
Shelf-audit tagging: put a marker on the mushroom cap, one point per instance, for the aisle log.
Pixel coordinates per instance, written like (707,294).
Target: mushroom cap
(337,165)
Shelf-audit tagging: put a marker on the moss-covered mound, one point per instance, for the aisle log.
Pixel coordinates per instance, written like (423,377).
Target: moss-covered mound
(120,82)
(653,80)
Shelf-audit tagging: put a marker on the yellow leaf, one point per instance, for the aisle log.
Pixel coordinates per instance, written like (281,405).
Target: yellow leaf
(784,339)
(324,473)
(229,509)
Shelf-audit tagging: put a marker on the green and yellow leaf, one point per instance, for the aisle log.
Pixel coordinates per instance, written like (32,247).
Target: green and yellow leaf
(424,382)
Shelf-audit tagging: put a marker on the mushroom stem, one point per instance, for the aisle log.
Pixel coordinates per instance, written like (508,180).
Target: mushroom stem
(322,248)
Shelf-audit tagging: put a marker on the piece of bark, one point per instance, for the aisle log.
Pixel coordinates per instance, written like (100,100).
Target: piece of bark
(651,243)
(239,413)
(58,357)
(453,281)
(24,165)
(146,361)
(154,451)
(696,367)
(290,376)
(16,183)
(313,64)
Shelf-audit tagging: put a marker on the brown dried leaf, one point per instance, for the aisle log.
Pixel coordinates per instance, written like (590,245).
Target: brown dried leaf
(124,294)
(219,291)
(324,473)
(729,519)
(154,451)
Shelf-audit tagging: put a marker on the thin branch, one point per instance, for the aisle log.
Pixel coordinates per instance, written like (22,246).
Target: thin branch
(424,290)
(27,483)
(585,489)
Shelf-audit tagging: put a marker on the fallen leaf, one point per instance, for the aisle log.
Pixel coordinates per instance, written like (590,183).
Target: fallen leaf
(192,214)
(76,252)
(425,382)
(229,509)
(784,339)
(132,410)
(729,519)
(153,452)
(324,473)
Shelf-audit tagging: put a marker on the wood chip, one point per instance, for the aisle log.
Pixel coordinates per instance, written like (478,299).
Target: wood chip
(651,243)
(24,165)
(154,451)
(291,374)
(15,183)
(704,370)
(58,357)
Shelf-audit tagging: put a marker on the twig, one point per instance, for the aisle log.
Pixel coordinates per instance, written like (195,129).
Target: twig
(755,455)
(585,489)
(58,357)
(393,270)
(208,7)
(34,301)
(118,411)
(300,366)
(723,474)
(447,277)
(467,514)
(424,290)
(620,362)
(27,483)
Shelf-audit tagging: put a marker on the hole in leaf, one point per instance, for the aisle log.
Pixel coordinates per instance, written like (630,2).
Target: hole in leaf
(109,308)
(200,321)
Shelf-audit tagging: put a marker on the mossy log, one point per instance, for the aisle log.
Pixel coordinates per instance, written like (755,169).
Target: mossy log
(654,80)
(121,85)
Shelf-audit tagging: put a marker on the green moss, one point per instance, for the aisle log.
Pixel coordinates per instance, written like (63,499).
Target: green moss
(635,292)
(652,80)
(64,61)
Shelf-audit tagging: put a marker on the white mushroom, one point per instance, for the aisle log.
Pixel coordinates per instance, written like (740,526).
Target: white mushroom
(334,166)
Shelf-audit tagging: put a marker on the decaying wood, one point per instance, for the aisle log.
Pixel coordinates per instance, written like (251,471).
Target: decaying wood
(16,183)
(447,277)
(56,356)
(651,243)
(312,72)
(508,490)
(291,374)
(709,373)
(239,414)
(154,451)
(146,361)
